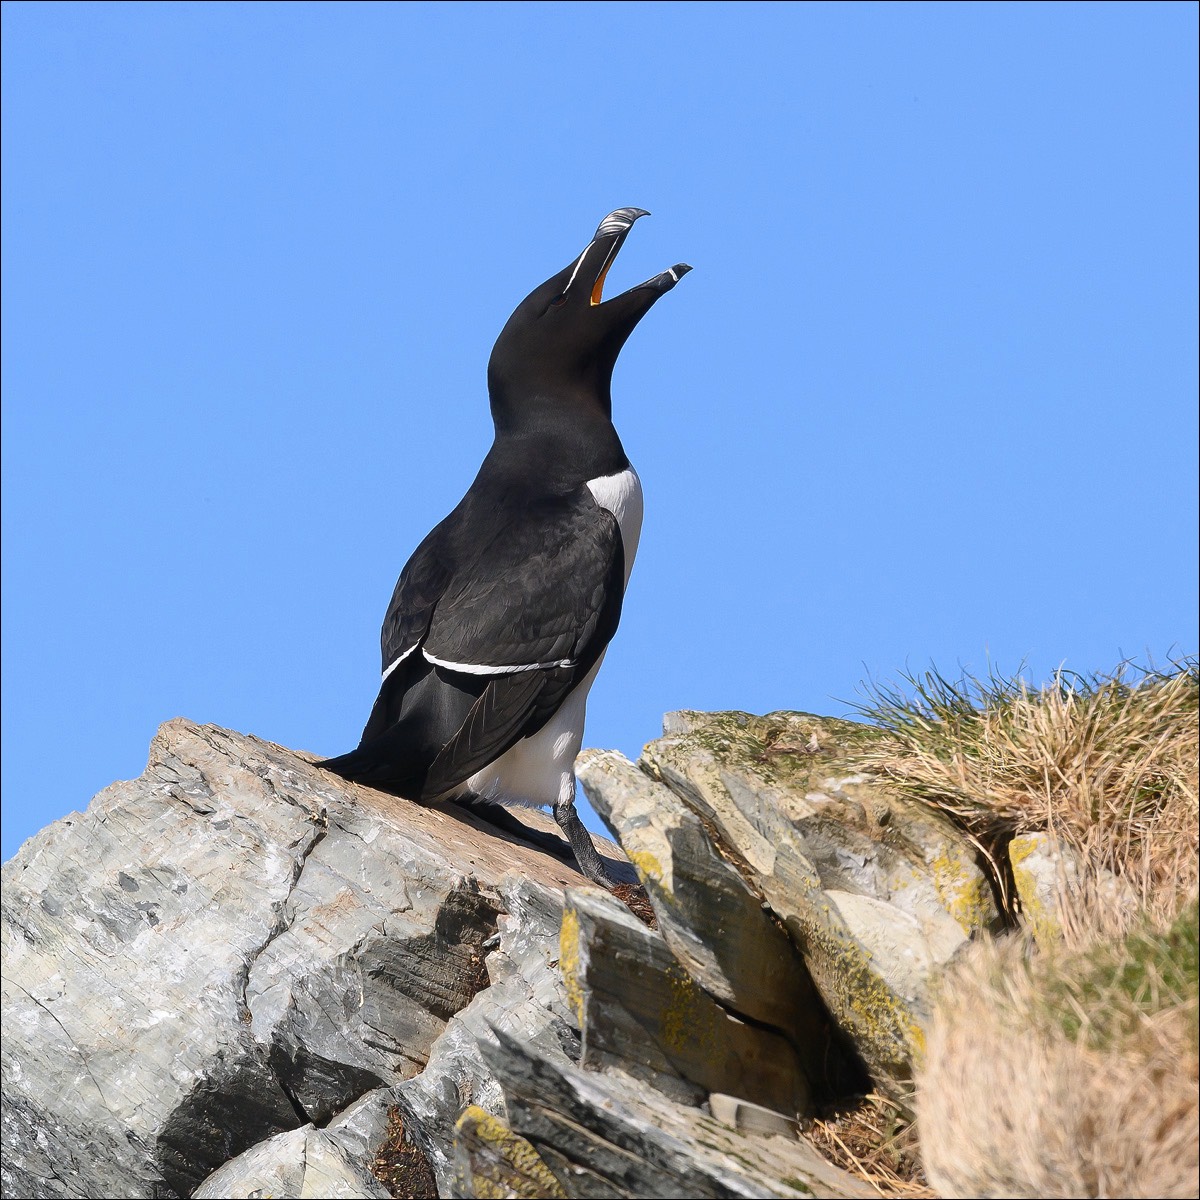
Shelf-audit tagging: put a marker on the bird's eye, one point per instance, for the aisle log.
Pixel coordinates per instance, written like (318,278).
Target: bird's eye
(559,301)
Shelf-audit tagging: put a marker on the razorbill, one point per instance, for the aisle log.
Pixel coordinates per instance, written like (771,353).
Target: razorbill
(500,619)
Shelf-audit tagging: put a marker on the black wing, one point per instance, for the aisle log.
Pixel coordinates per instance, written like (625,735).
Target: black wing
(417,591)
(532,593)
(499,613)
(543,599)
(504,713)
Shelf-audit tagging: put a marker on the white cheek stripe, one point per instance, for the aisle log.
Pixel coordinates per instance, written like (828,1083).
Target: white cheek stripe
(484,669)
(397,662)
(578,264)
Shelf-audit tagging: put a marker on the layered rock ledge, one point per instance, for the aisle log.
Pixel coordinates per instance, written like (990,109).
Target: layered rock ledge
(220,978)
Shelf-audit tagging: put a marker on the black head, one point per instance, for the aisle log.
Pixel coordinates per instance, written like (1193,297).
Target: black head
(562,341)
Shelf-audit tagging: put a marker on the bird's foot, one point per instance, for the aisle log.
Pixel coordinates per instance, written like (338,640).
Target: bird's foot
(499,817)
(587,857)
(579,847)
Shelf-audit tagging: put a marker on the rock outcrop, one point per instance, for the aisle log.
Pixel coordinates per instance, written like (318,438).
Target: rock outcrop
(863,892)
(221,977)
(235,945)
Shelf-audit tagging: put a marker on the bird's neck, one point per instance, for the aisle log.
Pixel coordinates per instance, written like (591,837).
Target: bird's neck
(564,444)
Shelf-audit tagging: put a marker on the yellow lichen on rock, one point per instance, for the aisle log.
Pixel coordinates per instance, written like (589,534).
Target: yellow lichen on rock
(887,1030)
(500,1164)
(683,1017)
(569,961)
(1040,918)
(649,870)
(963,889)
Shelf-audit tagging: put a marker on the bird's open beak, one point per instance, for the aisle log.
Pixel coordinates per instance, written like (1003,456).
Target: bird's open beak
(609,238)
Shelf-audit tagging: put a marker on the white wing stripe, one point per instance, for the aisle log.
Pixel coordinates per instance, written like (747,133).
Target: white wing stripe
(484,669)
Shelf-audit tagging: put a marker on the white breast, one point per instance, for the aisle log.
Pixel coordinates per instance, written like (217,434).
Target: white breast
(621,495)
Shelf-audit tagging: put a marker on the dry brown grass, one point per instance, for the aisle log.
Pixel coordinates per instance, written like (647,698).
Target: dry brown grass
(1069,1070)
(1106,764)
(876,1143)
(1065,1073)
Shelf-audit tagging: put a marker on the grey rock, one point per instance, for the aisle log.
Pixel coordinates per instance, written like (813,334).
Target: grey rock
(220,978)
(745,1117)
(231,946)
(363,1127)
(301,1163)
(641,1011)
(876,891)
(1054,882)
(610,1134)
(124,973)
(527,999)
(714,921)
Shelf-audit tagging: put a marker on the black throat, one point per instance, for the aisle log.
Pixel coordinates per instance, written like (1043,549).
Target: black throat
(552,443)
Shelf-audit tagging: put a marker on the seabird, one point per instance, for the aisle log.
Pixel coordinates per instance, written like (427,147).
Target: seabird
(500,619)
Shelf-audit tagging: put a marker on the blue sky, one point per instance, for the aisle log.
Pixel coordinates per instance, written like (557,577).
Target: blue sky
(929,394)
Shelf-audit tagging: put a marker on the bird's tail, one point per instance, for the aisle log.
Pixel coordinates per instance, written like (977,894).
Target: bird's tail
(393,762)
(345,765)
(371,765)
